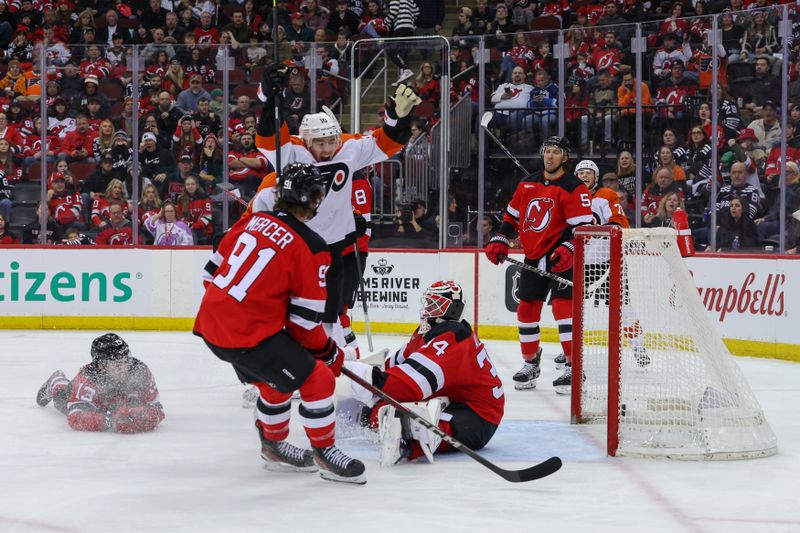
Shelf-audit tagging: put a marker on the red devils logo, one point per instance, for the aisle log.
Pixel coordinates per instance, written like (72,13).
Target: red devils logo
(537,214)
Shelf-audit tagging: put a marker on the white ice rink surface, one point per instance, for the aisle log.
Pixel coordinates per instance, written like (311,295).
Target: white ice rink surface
(201,470)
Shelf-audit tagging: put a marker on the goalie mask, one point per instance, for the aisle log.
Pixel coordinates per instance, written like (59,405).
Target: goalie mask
(320,125)
(441,301)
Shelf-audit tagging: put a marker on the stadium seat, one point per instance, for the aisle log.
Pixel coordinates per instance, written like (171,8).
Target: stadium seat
(34,171)
(234,76)
(111,89)
(545,23)
(425,110)
(23,214)
(26,192)
(81,170)
(245,90)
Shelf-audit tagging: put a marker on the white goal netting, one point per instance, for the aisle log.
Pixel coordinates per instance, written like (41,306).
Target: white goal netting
(681,394)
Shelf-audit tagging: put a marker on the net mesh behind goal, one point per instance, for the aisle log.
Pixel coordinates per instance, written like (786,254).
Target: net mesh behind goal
(651,355)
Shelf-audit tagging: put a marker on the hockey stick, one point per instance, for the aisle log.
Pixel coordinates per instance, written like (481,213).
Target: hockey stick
(538,471)
(227,187)
(485,119)
(544,273)
(363,294)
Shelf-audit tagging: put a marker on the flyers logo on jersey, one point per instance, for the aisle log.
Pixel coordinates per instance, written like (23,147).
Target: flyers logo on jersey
(537,214)
(335,174)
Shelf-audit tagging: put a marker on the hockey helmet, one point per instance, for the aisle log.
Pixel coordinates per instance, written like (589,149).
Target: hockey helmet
(588,164)
(319,125)
(558,142)
(444,300)
(301,185)
(109,347)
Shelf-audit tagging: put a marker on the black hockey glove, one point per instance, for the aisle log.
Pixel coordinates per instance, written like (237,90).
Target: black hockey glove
(361,224)
(274,79)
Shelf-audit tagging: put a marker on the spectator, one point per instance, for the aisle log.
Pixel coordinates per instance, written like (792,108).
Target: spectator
(166,229)
(698,158)
(427,84)
(626,173)
(188,98)
(20,48)
(119,230)
(543,57)
(773,168)
(7,165)
(543,100)
(149,203)
(97,183)
(91,90)
(78,145)
(94,64)
(665,213)
(463,37)
(611,17)
(5,197)
(10,133)
(739,188)
(31,232)
(215,103)
(296,101)
(13,74)
(187,138)
(482,15)
(315,15)
(576,107)
(412,220)
(343,18)
(175,79)
(74,237)
(32,149)
(521,54)
(764,88)
(174,33)
(65,207)
(672,93)
(199,65)
(704,116)
(666,159)
(248,165)
(769,225)
(85,20)
(607,54)
(115,192)
(210,162)
(767,129)
(512,100)
(6,238)
(602,100)
(401,19)
(167,114)
(760,38)
(626,99)
(157,163)
(748,152)
(205,120)
(500,27)
(485,227)
(105,35)
(194,208)
(662,185)
(104,141)
(298,31)
(731,36)
(736,229)
(372,21)
(29,85)
(153,16)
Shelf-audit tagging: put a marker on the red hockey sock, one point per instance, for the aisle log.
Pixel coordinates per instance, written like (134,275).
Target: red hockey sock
(416,449)
(562,312)
(273,412)
(316,406)
(528,314)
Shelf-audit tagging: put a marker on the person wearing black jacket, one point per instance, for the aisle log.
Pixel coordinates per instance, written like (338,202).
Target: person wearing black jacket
(157,163)
(343,18)
(31,231)
(736,229)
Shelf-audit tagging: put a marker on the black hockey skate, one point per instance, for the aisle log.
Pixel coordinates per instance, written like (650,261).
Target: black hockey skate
(280,456)
(525,378)
(45,394)
(560,360)
(563,384)
(335,465)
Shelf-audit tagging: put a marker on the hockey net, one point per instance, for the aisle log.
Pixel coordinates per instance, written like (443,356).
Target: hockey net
(656,370)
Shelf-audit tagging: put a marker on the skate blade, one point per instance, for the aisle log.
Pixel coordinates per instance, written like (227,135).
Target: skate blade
(330,476)
(276,466)
(528,385)
(563,390)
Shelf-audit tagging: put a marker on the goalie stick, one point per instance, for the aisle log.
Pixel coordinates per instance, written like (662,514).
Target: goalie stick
(485,119)
(543,469)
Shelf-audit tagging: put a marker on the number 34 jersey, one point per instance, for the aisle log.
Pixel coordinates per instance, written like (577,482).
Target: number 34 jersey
(268,274)
(449,360)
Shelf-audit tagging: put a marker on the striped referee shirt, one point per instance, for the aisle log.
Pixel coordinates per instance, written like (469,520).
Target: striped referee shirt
(402,15)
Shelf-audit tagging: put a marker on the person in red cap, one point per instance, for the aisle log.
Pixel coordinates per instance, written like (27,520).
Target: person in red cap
(298,31)
(65,207)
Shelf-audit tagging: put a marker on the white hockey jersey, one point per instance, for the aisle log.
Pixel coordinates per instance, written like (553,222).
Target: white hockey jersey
(334,219)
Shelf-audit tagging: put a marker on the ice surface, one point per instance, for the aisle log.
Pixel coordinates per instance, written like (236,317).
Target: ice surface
(201,470)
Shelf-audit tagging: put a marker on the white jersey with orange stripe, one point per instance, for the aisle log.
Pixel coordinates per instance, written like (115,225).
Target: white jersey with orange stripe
(334,219)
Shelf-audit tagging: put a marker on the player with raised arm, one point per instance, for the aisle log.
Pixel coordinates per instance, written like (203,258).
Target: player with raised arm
(115,392)
(444,365)
(265,293)
(545,209)
(607,211)
(337,156)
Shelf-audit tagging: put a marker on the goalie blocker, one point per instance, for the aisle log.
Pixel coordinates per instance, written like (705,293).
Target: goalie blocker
(444,367)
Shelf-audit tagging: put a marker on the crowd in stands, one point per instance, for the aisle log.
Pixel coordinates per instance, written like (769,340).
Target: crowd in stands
(87,87)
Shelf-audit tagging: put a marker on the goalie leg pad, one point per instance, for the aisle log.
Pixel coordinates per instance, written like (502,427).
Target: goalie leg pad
(390,433)
(431,411)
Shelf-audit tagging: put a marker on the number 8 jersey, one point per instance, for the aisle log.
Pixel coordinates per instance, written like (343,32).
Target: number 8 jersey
(268,274)
(449,360)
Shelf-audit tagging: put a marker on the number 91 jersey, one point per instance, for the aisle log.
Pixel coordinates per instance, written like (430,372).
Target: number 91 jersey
(449,360)
(541,210)
(267,274)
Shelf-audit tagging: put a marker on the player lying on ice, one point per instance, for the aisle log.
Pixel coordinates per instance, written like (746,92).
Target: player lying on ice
(261,312)
(115,392)
(447,370)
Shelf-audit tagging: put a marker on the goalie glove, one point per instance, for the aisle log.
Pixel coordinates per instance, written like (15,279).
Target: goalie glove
(497,249)
(561,258)
(404,99)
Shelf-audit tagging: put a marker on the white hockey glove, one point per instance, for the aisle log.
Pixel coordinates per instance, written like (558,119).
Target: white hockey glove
(405,99)
(364,371)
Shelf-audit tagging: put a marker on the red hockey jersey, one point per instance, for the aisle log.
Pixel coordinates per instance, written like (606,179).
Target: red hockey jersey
(541,210)
(267,274)
(362,202)
(66,209)
(449,360)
